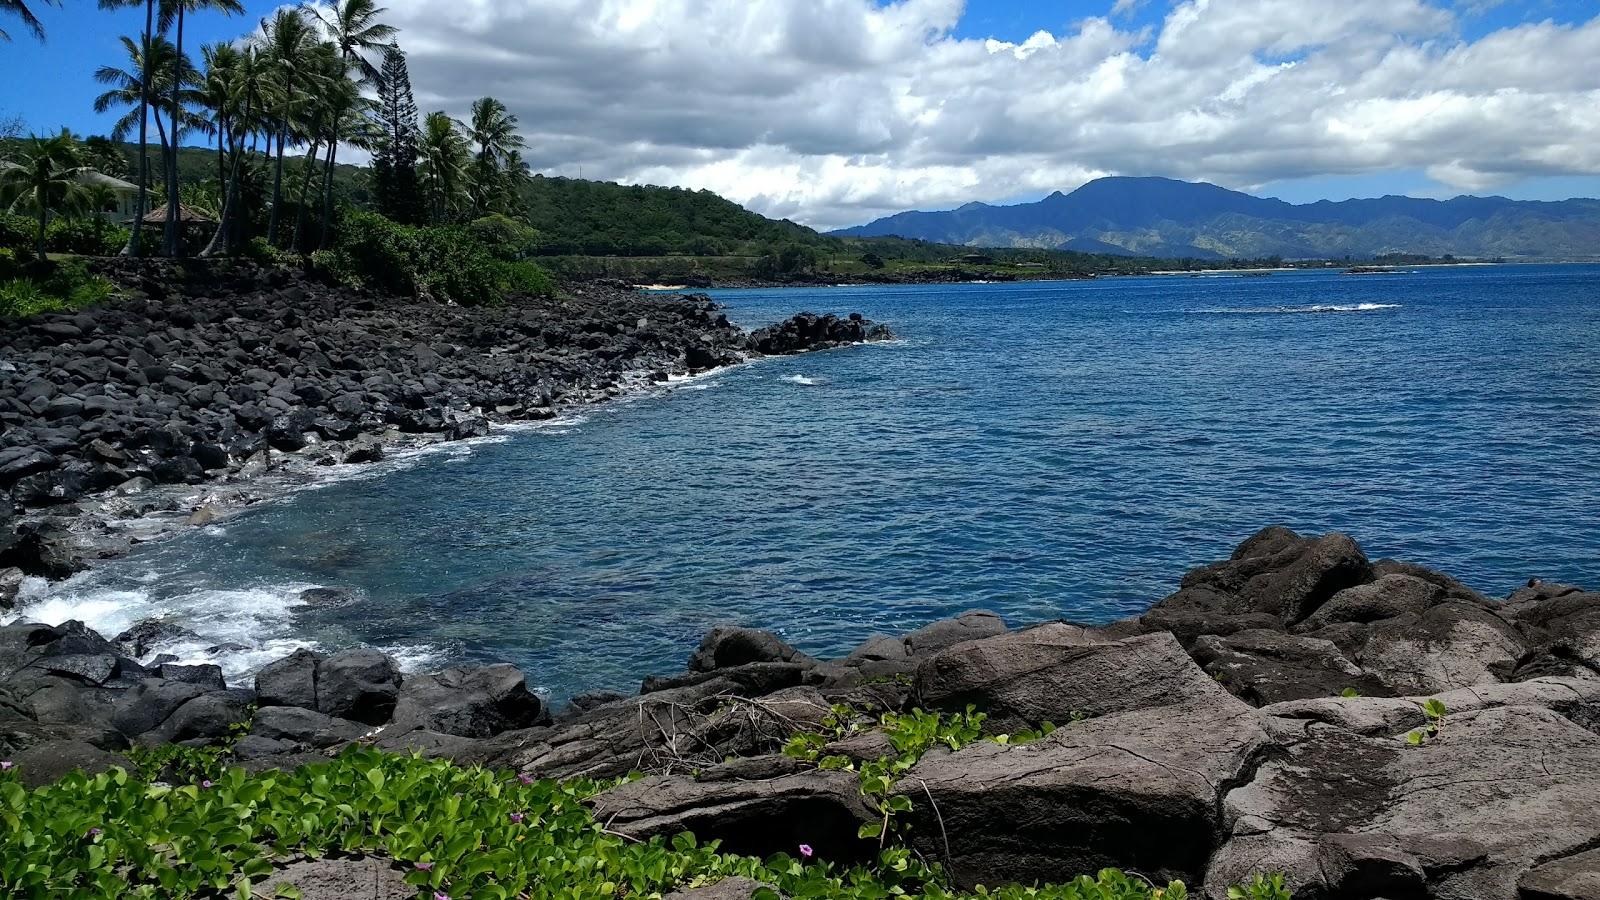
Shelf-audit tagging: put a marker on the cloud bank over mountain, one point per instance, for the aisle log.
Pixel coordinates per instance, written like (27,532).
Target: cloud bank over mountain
(834,112)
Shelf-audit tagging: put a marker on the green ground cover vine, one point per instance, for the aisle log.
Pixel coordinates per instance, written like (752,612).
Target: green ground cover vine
(460,833)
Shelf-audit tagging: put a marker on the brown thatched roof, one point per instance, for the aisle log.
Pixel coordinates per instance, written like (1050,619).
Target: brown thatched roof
(187,216)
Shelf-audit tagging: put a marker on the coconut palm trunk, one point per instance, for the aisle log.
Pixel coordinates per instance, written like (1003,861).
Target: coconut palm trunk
(132,249)
(307,171)
(327,196)
(222,239)
(277,186)
(170,243)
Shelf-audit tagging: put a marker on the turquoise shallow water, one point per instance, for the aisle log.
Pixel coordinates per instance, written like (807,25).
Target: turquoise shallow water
(1043,450)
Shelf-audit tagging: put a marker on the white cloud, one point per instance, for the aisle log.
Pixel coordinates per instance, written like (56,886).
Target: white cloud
(836,111)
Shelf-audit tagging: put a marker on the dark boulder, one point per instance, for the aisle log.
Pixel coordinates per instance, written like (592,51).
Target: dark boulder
(1137,790)
(291,681)
(50,761)
(469,702)
(1453,644)
(145,636)
(1263,667)
(1055,673)
(1276,573)
(946,633)
(1464,816)
(754,817)
(1386,598)
(304,727)
(726,646)
(361,685)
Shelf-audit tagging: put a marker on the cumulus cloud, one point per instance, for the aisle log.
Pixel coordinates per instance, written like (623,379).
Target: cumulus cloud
(833,112)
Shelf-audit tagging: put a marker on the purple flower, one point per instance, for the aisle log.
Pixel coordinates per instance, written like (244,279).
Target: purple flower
(517,818)
(6,764)
(424,867)
(806,851)
(93,832)
(441,895)
(524,778)
(206,783)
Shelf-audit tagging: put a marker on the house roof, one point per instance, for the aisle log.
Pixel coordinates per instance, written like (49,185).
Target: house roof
(187,216)
(116,184)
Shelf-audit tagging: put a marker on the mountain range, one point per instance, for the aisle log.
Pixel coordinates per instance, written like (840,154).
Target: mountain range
(1168,218)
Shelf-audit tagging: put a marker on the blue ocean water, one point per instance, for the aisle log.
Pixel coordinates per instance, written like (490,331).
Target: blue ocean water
(1055,450)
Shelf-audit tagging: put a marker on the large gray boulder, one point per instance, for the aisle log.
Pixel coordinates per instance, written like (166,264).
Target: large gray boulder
(1465,816)
(758,815)
(290,681)
(1453,644)
(361,685)
(728,646)
(1274,576)
(1390,596)
(1055,673)
(1263,667)
(1137,790)
(469,702)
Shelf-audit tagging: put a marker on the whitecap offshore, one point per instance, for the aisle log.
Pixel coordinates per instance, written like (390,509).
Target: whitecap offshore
(806,380)
(1295,310)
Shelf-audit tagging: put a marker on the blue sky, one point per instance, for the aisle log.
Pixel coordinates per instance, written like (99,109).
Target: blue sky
(50,85)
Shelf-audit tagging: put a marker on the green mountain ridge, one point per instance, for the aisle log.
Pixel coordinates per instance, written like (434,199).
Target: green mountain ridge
(1167,218)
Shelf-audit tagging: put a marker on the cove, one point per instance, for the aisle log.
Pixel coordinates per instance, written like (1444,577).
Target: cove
(1048,450)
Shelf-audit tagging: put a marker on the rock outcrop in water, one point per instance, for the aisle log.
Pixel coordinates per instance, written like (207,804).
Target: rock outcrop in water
(216,373)
(1255,720)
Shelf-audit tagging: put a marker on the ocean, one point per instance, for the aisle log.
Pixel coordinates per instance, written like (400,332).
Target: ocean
(1043,450)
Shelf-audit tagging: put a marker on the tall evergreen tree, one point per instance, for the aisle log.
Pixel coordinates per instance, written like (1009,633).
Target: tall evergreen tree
(394,167)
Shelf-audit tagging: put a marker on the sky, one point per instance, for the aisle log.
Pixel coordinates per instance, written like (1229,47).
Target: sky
(836,112)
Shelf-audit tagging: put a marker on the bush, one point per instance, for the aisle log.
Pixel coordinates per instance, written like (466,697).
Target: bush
(445,263)
(51,288)
(505,238)
(88,237)
(260,250)
(18,233)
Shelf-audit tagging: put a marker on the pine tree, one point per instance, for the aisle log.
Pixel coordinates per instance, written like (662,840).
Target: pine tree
(394,166)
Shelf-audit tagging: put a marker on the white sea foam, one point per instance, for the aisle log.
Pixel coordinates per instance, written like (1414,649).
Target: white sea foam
(239,630)
(806,380)
(1315,308)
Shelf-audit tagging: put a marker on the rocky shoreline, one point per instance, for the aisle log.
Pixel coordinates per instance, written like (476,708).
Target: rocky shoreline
(1272,714)
(185,399)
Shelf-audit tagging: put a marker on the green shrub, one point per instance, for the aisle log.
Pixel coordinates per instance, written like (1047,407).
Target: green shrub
(21,297)
(261,250)
(445,263)
(459,832)
(18,233)
(51,287)
(88,237)
(504,237)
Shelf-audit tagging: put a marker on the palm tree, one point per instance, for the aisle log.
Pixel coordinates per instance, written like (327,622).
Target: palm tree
(19,8)
(219,95)
(148,71)
(517,175)
(287,44)
(241,102)
(444,158)
(45,181)
(175,10)
(494,130)
(353,26)
(350,123)
(144,104)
